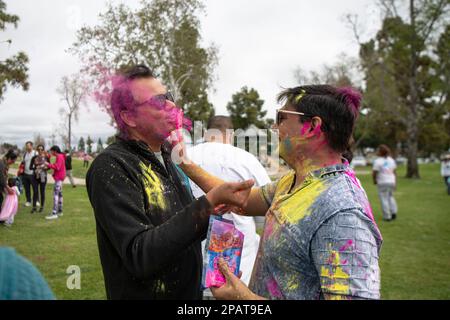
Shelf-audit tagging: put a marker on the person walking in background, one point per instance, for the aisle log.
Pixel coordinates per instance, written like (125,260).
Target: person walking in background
(10,205)
(9,159)
(59,174)
(219,157)
(86,160)
(40,175)
(27,178)
(385,177)
(445,171)
(69,168)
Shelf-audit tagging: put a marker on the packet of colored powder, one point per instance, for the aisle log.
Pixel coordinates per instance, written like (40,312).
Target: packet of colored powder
(223,241)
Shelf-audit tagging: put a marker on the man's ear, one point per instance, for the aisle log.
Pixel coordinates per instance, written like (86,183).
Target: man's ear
(128,118)
(315,127)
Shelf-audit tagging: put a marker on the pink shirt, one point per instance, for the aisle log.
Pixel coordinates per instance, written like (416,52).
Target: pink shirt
(59,167)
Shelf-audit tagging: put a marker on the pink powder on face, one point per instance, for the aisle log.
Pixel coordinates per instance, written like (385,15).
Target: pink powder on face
(317,130)
(113,94)
(306,127)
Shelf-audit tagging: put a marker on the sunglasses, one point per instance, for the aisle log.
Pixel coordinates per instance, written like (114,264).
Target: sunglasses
(279,116)
(159,101)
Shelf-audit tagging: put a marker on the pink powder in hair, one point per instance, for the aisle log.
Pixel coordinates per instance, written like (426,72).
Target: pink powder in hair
(113,94)
(351,97)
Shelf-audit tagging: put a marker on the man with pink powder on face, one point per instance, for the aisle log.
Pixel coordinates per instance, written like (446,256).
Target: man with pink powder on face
(149,226)
(320,239)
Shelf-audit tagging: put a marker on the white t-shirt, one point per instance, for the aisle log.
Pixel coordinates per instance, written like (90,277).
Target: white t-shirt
(232,164)
(385,168)
(27,158)
(445,168)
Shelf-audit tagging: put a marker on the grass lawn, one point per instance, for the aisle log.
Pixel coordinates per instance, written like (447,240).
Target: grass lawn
(415,257)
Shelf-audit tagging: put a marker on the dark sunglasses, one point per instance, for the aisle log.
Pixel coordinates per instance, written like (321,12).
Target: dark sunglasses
(159,101)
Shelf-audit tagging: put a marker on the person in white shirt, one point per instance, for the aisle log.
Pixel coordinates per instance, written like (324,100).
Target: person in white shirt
(445,171)
(385,177)
(28,177)
(219,157)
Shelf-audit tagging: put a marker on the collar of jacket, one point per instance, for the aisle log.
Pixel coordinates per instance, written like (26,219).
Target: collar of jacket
(142,148)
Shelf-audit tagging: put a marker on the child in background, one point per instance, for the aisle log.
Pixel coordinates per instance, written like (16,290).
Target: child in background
(10,205)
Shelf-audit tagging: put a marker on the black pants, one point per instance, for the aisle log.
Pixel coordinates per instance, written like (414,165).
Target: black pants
(29,181)
(1,198)
(447,183)
(40,190)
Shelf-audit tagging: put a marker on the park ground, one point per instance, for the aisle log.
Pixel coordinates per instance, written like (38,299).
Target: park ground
(414,260)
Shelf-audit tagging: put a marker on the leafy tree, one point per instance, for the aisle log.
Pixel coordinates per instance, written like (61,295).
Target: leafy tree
(163,34)
(245,108)
(13,70)
(399,70)
(99,145)
(81,145)
(111,140)
(89,143)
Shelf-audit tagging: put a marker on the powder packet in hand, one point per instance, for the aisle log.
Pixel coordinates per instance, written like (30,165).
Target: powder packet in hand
(223,241)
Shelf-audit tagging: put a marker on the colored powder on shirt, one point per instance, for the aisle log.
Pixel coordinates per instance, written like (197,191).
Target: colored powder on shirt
(153,187)
(338,279)
(298,207)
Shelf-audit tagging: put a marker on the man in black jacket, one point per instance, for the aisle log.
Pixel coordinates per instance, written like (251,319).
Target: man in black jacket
(149,226)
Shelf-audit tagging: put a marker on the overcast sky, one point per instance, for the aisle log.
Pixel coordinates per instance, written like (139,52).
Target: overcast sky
(260,42)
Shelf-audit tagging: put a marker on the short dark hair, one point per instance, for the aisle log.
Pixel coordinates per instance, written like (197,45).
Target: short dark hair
(384,150)
(28,142)
(12,182)
(11,155)
(56,149)
(220,122)
(121,97)
(337,107)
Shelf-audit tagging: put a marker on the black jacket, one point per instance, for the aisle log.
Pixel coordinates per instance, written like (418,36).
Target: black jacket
(149,227)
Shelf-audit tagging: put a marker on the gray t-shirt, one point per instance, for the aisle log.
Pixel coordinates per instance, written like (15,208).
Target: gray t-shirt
(319,239)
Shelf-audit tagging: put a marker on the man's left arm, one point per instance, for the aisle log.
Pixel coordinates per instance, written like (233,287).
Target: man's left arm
(345,254)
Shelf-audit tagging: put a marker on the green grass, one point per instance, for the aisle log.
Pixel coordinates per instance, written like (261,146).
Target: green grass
(78,170)
(55,245)
(415,257)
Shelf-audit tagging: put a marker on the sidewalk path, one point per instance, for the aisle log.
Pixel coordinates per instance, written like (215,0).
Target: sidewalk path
(78,181)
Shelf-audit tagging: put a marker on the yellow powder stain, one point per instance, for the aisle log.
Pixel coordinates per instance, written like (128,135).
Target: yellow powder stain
(297,206)
(339,278)
(153,187)
(293,283)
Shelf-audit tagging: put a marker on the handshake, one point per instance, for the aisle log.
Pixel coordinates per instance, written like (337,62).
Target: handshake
(230,196)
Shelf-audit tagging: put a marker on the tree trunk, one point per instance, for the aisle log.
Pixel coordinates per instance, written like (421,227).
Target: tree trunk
(413,127)
(70,133)
(412,169)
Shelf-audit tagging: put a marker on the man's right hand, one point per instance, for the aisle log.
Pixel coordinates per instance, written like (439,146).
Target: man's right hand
(231,193)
